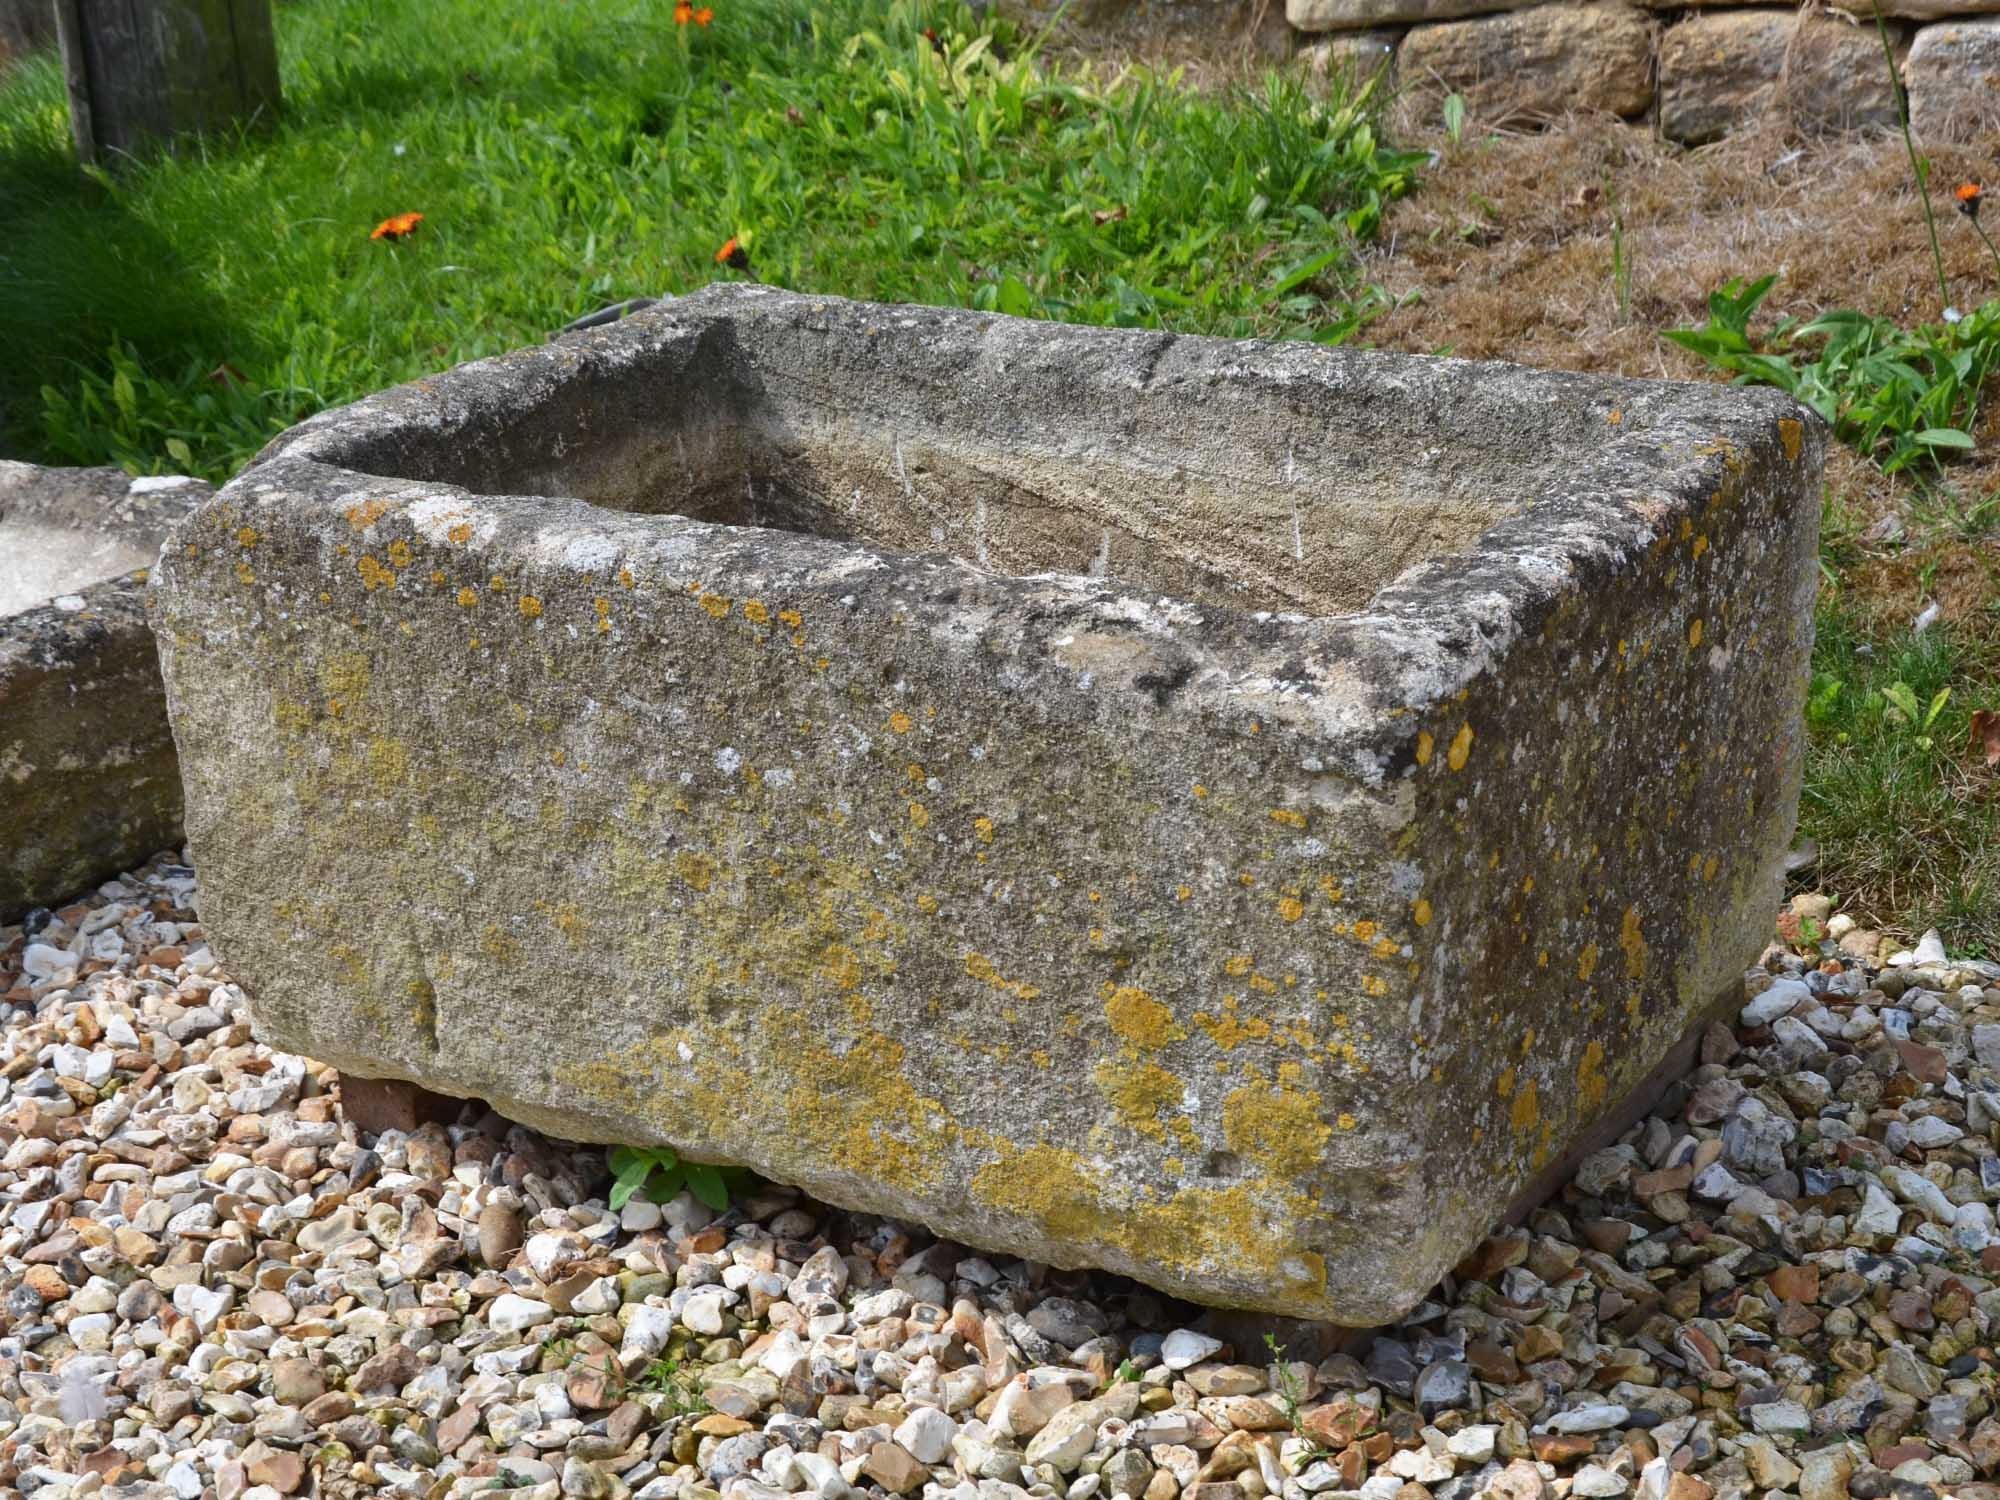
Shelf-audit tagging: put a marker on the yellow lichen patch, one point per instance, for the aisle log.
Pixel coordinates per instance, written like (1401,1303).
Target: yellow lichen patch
(980,967)
(982,829)
(366,514)
(1183,892)
(1345,1120)
(791,618)
(1709,866)
(1792,435)
(1290,817)
(1139,1018)
(1237,965)
(1200,790)
(1229,1030)
(497,945)
(698,870)
(388,763)
(1421,912)
(567,920)
(1365,931)
(1700,545)
(840,966)
(461,533)
(1586,962)
(1527,1107)
(901,723)
(603,608)
(1290,908)
(1634,944)
(1590,1080)
(1374,986)
(247,536)
(1461,748)
(468,598)
(1276,1127)
(1504,1084)
(1426,747)
(920,816)
(399,553)
(1694,632)
(1138,1092)
(373,575)
(530,607)
(716,605)
(1069,1198)
(245,574)
(1040,1058)
(344,675)
(1332,889)
(755,612)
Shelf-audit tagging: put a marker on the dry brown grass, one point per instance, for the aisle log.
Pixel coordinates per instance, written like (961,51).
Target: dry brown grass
(1507,252)
(1510,242)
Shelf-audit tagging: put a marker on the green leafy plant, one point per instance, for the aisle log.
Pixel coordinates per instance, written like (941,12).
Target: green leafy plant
(1901,707)
(661,1173)
(1621,257)
(1126,1373)
(1902,396)
(1919,168)
(668,1377)
(1454,117)
(1290,1392)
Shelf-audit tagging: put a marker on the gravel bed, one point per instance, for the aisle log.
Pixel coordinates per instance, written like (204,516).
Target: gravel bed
(1781,1282)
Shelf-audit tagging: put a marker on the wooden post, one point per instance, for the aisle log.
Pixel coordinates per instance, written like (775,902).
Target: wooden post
(24,26)
(142,72)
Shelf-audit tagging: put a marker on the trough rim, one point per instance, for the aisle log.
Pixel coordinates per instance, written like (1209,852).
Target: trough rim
(1422,638)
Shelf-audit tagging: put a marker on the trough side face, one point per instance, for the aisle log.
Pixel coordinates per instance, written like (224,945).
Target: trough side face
(89,785)
(1604,807)
(1065,918)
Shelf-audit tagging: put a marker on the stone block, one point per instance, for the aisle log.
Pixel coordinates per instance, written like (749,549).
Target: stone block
(1917,10)
(1231,813)
(88,784)
(1536,65)
(1953,78)
(1357,15)
(1726,69)
(1355,56)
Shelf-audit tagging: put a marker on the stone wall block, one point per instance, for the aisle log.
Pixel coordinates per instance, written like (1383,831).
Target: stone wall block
(1538,64)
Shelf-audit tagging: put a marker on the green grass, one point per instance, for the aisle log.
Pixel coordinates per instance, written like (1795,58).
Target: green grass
(566,154)
(1897,797)
(1902,807)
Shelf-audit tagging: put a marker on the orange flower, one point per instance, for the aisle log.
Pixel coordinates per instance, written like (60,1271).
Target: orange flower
(396,226)
(703,16)
(1969,194)
(683,13)
(733,255)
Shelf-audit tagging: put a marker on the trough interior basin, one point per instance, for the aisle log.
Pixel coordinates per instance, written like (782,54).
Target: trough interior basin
(1155,473)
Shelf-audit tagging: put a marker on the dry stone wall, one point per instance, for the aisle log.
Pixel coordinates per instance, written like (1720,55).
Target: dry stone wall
(1701,74)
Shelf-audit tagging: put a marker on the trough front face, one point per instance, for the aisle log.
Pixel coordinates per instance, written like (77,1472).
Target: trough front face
(88,785)
(1229,813)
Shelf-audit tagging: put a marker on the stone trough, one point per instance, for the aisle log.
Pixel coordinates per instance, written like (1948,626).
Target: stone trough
(1236,814)
(88,785)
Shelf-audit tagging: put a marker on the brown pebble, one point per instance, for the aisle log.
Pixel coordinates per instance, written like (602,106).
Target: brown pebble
(499,1234)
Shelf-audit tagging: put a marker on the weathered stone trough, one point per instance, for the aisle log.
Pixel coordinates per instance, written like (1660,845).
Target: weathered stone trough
(1231,813)
(88,785)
